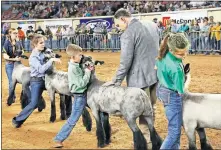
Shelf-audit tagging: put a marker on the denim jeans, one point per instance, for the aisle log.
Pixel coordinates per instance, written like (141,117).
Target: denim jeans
(65,42)
(50,42)
(80,101)
(172,102)
(23,42)
(213,44)
(28,45)
(37,88)
(113,44)
(204,42)
(59,44)
(9,69)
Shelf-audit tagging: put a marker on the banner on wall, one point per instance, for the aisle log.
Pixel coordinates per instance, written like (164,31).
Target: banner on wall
(182,17)
(93,22)
(24,25)
(5,26)
(53,25)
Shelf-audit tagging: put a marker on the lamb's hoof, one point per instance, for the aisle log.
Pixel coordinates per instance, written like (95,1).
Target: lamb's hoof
(207,147)
(40,109)
(68,115)
(192,148)
(88,128)
(108,142)
(102,145)
(9,104)
(63,117)
(52,119)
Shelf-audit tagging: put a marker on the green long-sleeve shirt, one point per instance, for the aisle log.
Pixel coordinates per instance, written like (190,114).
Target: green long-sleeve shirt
(77,79)
(170,73)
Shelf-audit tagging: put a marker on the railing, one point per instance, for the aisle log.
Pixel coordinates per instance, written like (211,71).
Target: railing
(200,42)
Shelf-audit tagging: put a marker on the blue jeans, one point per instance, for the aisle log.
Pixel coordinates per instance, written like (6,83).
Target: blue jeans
(113,44)
(172,102)
(80,101)
(204,42)
(23,43)
(9,69)
(28,45)
(37,88)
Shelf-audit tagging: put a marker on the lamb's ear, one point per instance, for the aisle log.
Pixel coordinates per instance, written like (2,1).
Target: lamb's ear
(187,68)
(57,56)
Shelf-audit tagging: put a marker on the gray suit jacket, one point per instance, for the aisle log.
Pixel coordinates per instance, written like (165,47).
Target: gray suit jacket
(139,49)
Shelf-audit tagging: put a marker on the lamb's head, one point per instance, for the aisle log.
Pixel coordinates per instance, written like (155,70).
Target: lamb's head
(86,61)
(48,53)
(187,76)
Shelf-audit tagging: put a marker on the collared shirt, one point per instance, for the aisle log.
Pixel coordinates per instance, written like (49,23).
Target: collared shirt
(77,78)
(37,65)
(170,73)
(10,49)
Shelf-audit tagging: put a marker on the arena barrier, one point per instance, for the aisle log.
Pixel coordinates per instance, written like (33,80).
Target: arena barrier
(200,42)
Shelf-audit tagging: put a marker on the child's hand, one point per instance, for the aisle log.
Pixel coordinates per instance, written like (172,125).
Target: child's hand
(56,60)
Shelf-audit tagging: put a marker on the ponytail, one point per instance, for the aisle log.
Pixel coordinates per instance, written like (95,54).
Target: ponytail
(163,48)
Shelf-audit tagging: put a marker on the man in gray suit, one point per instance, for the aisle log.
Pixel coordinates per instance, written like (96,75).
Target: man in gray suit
(139,49)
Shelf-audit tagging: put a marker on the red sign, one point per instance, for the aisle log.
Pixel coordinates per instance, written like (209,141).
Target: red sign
(165,19)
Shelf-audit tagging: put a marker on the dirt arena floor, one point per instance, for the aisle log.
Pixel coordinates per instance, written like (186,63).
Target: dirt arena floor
(38,133)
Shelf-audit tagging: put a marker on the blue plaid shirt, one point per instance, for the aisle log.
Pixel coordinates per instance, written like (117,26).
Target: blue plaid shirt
(37,65)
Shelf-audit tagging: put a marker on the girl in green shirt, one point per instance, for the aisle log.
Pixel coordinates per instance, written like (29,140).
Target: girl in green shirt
(170,88)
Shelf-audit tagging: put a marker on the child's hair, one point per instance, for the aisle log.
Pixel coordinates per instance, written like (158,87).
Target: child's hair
(163,47)
(73,50)
(35,39)
(10,31)
(173,42)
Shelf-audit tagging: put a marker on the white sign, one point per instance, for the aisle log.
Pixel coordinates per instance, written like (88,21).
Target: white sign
(53,25)
(188,16)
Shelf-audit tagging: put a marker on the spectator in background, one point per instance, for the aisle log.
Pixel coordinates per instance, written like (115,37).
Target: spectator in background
(155,20)
(21,36)
(205,35)
(218,36)
(59,38)
(71,35)
(184,27)
(161,29)
(212,37)
(174,26)
(49,36)
(104,37)
(90,33)
(83,32)
(14,10)
(87,14)
(211,21)
(21,8)
(4,35)
(30,32)
(65,37)
(39,31)
(97,36)
(194,36)
(114,37)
